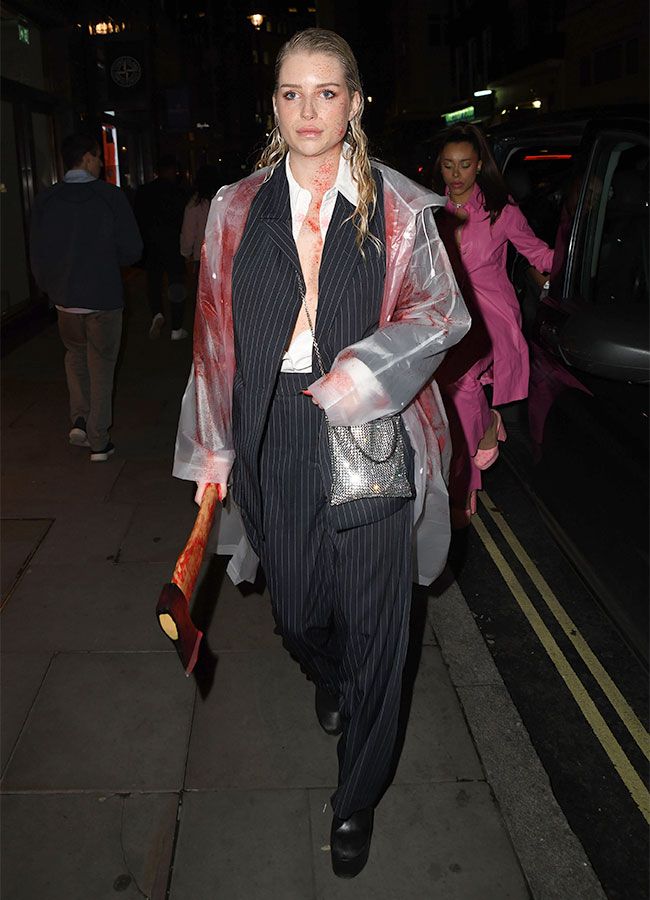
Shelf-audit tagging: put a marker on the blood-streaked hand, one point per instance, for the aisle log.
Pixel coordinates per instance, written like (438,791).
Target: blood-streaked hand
(347,392)
(312,398)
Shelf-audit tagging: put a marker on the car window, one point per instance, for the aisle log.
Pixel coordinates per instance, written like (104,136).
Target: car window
(538,168)
(613,265)
(537,177)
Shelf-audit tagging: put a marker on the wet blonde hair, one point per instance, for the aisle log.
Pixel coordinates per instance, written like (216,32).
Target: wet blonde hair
(320,40)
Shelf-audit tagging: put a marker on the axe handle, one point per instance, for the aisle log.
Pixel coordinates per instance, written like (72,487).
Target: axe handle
(189,562)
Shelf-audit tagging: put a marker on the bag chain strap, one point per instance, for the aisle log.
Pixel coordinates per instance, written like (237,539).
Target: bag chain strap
(363,452)
(311,327)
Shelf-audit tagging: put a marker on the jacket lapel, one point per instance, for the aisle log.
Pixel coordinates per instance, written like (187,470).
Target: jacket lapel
(275,215)
(340,253)
(340,258)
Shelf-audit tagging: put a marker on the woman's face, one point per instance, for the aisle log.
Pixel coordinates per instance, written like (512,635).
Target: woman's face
(460,165)
(312,104)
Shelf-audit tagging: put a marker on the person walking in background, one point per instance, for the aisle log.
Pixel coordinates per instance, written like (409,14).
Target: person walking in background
(478,221)
(159,207)
(82,231)
(326,299)
(196,213)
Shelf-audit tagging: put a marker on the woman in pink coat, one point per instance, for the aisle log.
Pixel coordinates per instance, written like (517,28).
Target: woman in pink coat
(476,225)
(196,213)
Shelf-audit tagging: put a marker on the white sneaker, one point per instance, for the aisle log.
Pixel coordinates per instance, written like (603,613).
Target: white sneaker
(78,436)
(178,334)
(102,455)
(156,326)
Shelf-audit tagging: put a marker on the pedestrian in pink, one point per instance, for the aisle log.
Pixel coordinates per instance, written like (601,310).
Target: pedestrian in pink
(196,213)
(476,224)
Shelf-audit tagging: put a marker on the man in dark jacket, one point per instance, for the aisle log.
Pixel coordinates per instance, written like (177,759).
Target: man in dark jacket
(159,208)
(82,231)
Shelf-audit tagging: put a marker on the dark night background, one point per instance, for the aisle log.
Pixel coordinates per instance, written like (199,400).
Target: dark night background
(198,78)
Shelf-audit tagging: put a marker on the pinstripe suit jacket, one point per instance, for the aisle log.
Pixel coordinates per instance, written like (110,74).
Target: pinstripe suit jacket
(266,283)
(421,316)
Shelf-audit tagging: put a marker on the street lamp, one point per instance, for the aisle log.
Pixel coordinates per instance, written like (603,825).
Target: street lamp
(256,20)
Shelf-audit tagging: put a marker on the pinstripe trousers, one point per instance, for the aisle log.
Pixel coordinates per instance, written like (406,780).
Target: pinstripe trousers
(341,599)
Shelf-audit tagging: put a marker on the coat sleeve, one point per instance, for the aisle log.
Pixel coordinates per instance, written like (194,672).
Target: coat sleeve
(204,444)
(381,374)
(519,233)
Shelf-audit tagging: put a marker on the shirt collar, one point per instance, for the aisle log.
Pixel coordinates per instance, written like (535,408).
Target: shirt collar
(474,201)
(78,176)
(344,184)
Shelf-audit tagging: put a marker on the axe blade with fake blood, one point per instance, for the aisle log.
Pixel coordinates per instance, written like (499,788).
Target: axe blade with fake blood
(173,608)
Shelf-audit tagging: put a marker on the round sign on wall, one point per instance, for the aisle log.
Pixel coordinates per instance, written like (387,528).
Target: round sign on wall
(126,71)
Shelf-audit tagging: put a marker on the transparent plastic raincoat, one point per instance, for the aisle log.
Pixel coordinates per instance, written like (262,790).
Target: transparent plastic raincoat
(422,315)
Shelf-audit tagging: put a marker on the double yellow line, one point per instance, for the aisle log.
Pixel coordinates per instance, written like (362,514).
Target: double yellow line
(601,729)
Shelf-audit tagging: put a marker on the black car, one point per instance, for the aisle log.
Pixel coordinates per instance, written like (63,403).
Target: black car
(583,452)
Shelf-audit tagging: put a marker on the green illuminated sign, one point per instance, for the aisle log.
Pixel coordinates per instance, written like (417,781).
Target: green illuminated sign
(23,33)
(459,115)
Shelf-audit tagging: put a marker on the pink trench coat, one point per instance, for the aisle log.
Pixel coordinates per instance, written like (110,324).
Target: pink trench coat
(422,315)
(495,351)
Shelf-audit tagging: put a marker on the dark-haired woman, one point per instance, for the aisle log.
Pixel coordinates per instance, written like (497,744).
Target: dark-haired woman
(478,222)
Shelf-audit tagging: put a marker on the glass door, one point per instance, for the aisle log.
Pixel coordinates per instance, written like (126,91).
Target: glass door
(14,287)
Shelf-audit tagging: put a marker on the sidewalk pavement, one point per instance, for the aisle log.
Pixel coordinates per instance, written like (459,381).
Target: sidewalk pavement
(120,776)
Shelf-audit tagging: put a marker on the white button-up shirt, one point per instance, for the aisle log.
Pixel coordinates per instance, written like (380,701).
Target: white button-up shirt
(298,357)
(300,198)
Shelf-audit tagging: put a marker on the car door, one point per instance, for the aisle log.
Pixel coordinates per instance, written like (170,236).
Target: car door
(588,399)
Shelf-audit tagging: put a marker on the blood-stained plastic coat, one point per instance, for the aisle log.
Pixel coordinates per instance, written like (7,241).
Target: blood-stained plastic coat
(422,315)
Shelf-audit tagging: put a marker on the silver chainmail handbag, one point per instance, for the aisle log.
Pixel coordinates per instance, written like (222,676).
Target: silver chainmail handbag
(366,460)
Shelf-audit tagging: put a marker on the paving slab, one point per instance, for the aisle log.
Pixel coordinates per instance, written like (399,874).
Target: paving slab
(23,445)
(21,675)
(69,847)
(17,396)
(49,400)
(150,443)
(139,404)
(171,410)
(19,540)
(46,347)
(442,841)
(106,722)
(93,481)
(244,845)
(97,527)
(105,606)
(158,532)
(437,746)
(258,729)
(151,481)
(241,619)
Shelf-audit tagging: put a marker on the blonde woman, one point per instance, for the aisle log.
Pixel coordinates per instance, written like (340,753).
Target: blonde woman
(322,247)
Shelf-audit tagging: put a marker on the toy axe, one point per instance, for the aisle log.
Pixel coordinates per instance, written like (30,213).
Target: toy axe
(173,609)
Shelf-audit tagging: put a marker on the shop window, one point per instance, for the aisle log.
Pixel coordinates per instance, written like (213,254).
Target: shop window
(15,290)
(45,158)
